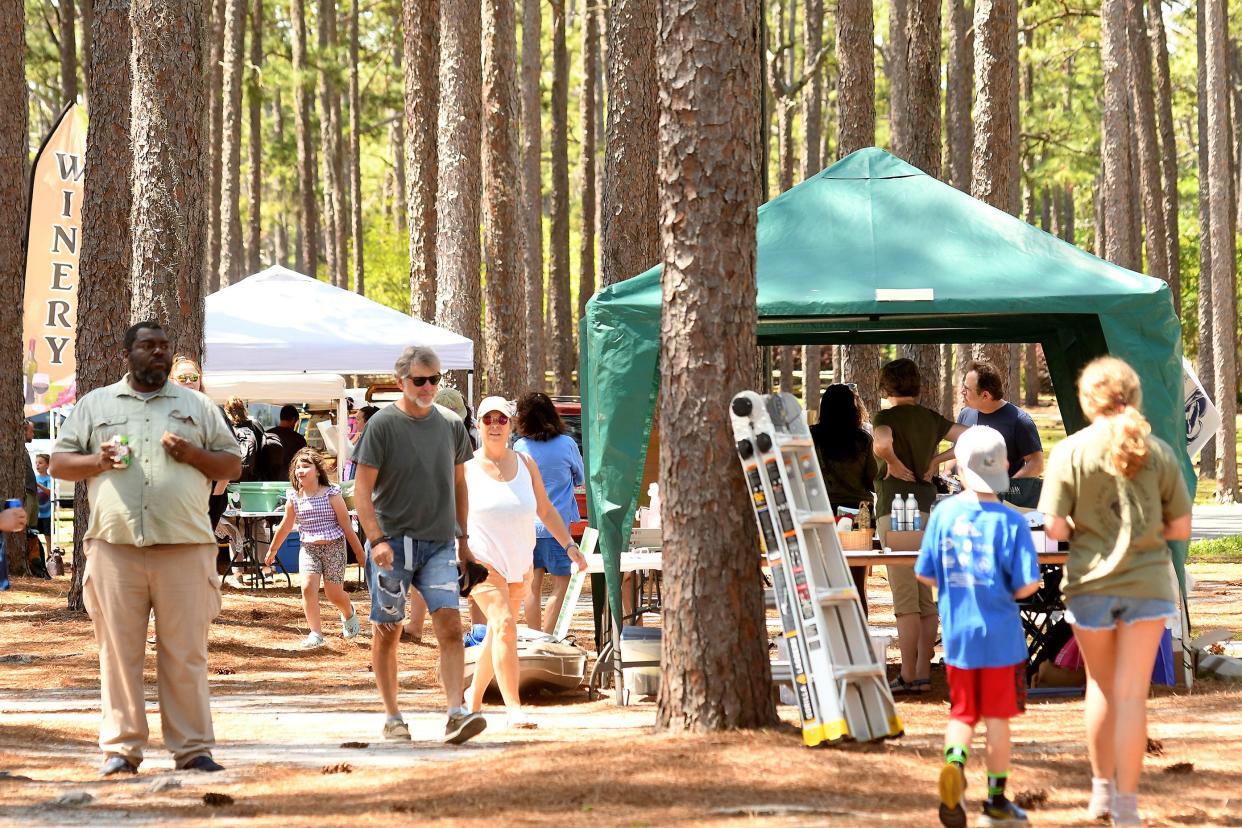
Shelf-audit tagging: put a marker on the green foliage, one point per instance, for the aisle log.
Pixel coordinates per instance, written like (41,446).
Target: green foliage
(1216,550)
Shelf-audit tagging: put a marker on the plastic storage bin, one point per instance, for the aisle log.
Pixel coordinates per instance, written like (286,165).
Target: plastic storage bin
(641,644)
(287,554)
(263,496)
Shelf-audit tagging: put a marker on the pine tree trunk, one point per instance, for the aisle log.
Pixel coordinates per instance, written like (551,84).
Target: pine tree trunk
(715,663)
(896,65)
(994,178)
(421,28)
(1118,197)
(231,263)
(457,200)
(215,149)
(308,212)
(1168,150)
(254,93)
(560,349)
(104,286)
(503,339)
(1224,268)
(860,364)
(812,117)
(1206,363)
(532,193)
(396,137)
(14,195)
(1143,105)
(86,13)
(959,89)
(169,169)
(586,126)
(630,242)
(280,230)
(330,146)
(355,155)
(68,52)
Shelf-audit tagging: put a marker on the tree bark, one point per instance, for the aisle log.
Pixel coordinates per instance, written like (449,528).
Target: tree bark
(14,195)
(630,242)
(860,364)
(231,262)
(280,229)
(86,13)
(308,218)
(104,285)
(812,116)
(896,64)
(1118,198)
(1221,233)
(330,146)
(254,219)
(995,178)
(504,335)
(560,349)
(457,200)
(68,52)
(169,158)
(959,71)
(215,150)
(1168,150)
(787,156)
(1143,105)
(1206,363)
(421,28)
(355,156)
(715,663)
(532,193)
(586,124)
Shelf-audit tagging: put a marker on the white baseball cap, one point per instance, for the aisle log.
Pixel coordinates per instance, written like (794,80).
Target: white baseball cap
(497,404)
(982,460)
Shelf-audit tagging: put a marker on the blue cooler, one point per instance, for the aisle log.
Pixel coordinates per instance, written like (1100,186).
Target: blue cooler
(287,554)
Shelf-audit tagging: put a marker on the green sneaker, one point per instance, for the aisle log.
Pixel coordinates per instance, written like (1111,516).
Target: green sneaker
(952,791)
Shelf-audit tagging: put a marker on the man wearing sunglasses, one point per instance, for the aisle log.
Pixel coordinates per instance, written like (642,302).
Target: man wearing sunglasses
(410,491)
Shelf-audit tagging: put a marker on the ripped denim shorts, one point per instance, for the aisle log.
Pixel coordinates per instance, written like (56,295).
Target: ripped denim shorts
(429,565)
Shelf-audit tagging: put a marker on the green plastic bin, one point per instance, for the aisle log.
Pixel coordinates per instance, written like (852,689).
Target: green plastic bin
(264,496)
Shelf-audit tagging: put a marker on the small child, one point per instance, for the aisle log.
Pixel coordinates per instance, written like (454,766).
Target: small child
(979,555)
(43,481)
(319,511)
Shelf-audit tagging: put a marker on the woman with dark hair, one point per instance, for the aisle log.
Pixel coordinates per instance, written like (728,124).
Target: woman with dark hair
(906,436)
(845,455)
(545,439)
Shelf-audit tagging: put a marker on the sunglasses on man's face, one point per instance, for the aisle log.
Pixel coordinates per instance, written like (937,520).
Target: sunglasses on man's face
(495,419)
(419,382)
(186,378)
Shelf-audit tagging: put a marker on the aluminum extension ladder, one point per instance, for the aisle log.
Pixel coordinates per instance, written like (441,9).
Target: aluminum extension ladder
(841,686)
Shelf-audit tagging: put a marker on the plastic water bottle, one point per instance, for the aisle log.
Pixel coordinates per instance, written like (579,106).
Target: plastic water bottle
(912,513)
(653,493)
(898,517)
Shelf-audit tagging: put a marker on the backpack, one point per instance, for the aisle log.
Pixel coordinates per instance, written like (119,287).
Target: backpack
(248,438)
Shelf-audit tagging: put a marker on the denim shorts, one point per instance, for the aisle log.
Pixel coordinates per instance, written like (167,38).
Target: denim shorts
(1102,612)
(551,557)
(429,565)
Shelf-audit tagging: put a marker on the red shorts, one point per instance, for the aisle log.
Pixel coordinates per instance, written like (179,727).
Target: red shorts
(986,692)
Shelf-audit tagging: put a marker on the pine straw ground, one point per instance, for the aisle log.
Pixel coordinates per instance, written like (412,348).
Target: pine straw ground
(588,763)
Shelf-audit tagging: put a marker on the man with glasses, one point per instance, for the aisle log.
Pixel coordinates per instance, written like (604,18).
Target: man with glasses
(410,491)
(983,393)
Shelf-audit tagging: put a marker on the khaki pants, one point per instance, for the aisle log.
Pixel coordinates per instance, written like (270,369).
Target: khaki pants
(909,596)
(121,584)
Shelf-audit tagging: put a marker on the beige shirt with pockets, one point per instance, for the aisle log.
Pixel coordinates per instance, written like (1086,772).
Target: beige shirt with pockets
(157,500)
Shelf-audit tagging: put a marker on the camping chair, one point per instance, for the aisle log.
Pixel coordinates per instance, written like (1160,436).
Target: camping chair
(1042,621)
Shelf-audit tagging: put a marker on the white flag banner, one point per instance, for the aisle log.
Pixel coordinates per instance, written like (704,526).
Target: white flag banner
(1202,418)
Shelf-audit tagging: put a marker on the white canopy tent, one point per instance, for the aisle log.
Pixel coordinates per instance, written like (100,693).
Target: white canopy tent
(279,320)
(279,387)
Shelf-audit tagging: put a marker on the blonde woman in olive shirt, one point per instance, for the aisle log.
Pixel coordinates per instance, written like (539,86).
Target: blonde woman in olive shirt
(1117,494)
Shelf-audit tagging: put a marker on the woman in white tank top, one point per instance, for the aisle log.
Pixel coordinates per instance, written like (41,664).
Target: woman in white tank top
(506,494)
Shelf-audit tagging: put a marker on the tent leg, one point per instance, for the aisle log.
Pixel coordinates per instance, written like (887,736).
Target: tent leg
(470,388)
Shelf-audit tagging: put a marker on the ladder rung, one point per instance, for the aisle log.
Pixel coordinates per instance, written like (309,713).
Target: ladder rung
(838,595)
(858,671)
(781,671)
(814,518)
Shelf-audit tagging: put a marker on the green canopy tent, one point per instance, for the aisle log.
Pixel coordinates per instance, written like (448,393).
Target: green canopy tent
(873,250)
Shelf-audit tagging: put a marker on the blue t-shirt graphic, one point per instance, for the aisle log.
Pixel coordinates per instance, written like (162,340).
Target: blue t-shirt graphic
(980,554)
(45,506)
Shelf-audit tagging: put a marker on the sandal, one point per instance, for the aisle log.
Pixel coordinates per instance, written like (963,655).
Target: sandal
(921,685)
(900,685)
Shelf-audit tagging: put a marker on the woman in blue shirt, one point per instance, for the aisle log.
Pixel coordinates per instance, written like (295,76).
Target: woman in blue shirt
(545,439)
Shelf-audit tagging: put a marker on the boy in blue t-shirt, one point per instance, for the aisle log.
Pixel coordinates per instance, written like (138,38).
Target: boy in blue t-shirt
(43,481)
(979,555)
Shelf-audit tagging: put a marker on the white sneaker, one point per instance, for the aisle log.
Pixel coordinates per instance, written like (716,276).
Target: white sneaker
(350,627)
(312,641)
(517,720)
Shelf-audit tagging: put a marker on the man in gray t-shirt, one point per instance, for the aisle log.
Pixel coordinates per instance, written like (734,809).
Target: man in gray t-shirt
(410,491)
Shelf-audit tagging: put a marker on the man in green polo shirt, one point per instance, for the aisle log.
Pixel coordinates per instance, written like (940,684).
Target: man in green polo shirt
(147,448)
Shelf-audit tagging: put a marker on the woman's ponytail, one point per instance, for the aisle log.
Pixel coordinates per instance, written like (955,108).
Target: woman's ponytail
(1110,389)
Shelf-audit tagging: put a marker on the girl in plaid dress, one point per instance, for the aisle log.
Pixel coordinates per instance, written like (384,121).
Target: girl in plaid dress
(319,511)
